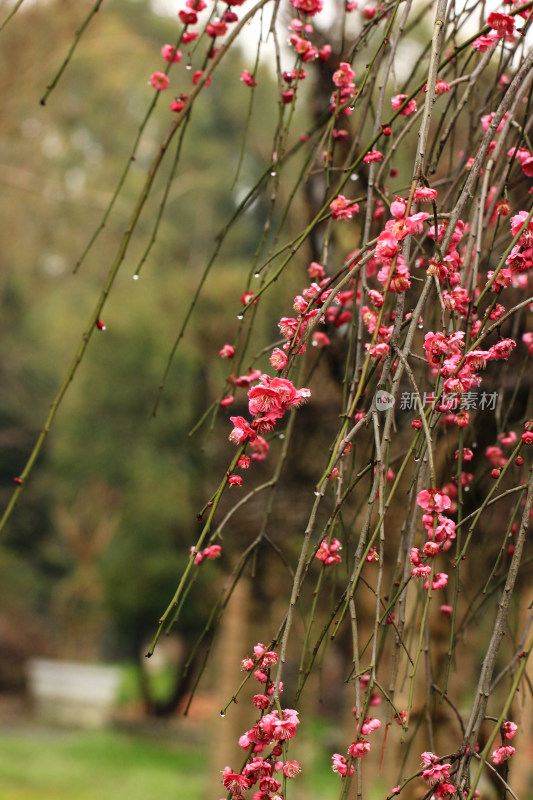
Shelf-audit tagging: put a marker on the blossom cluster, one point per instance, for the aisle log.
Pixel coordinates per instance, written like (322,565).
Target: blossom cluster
(268,401)
(436,774)
(503,27)
(505,751)
(358,748)
(271,730)
(328,552)
(210,553)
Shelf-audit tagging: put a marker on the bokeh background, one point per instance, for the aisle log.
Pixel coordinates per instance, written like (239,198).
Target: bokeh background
(93,552)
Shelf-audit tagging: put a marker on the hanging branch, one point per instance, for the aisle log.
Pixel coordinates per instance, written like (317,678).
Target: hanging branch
(77,36)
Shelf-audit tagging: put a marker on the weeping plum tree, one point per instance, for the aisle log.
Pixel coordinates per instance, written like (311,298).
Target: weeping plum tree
(397,194)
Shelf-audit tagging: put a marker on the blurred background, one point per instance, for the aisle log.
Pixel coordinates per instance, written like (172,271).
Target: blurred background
(93,552)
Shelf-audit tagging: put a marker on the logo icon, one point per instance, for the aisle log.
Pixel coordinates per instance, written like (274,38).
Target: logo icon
(384,400)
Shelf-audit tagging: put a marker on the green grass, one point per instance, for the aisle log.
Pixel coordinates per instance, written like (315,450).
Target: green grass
(44,763)
(40,764)
(161,683)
